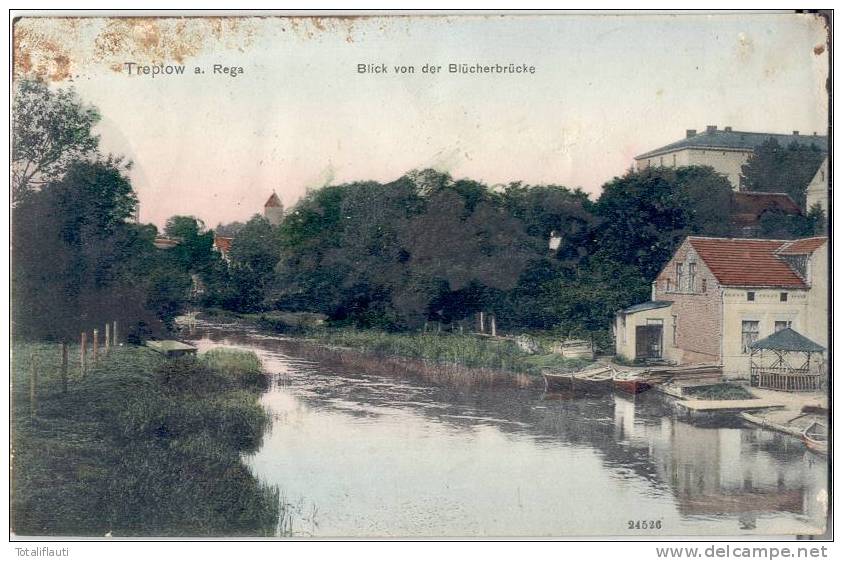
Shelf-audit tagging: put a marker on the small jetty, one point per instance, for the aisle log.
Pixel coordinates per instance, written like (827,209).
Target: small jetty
(170,348)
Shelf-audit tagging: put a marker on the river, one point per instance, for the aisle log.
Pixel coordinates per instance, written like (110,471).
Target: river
(360,454)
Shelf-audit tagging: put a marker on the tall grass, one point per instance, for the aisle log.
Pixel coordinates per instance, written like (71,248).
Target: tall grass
(445,359)
(139,446)
(465,350)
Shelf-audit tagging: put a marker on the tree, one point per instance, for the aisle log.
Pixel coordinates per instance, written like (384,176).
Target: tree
(76,257)
(254,254)
(51,129)
(194,251)
(645,215)
(776,169)
(784,226)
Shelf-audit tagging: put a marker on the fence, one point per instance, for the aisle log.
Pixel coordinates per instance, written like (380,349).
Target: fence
(95,350)
(786,379)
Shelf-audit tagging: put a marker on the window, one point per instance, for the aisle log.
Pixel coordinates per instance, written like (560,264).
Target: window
(783,297)
(784,324)
(749,334)
(655,321)
(750,297)
(674,160)
(667,284)
(704,285)
(679,276)
(692,277)
(674,330)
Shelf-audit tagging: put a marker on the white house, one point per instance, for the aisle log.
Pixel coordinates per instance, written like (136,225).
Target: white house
(724,150)
(716,296)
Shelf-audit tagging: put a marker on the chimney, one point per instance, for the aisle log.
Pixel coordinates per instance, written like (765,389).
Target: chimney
(727,129)
(690,133)
(796,133)
(710,129)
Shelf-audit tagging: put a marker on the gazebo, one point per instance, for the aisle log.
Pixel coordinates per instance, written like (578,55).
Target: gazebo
(782,361)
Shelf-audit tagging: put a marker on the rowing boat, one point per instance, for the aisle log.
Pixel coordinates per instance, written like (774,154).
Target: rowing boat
(815,438)
(593,379)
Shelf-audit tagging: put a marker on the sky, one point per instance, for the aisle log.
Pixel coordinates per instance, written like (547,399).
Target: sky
(606,87)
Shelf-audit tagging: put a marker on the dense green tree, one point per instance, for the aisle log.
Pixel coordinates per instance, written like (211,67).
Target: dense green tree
(784,226)
(76,255)
(194,252)
(645,215)
(782,169)
(51,130)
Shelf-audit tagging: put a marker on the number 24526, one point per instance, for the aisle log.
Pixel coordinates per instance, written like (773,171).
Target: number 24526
(644,525)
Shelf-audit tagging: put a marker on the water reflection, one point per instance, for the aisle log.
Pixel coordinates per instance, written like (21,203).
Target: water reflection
(380,456)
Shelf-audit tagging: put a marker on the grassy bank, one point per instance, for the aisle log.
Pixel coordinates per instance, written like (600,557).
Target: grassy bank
(451,348)
(139,446)
(441,357)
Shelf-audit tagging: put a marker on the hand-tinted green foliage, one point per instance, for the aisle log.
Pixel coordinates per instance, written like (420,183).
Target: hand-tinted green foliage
(75,254)
(642,218)
(254,254)
(783,226)
(428,248)
(421,248)
(778,169)
(51,130)
(193,253)
(139,446)
(645,215)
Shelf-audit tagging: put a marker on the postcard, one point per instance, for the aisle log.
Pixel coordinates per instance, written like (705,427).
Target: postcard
(420,275)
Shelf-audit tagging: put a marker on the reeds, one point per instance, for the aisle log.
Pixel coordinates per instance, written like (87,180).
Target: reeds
(444,359)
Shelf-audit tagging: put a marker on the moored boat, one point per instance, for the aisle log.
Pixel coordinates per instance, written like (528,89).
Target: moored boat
(599,378)
(631,385)
(815,438)
(557,380)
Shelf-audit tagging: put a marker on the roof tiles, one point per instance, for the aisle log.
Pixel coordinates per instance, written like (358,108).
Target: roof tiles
(746,262)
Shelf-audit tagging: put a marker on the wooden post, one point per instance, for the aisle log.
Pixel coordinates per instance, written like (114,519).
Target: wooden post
(95,345)
(480,321)
(83,352)
(493,327)
(64,367)
(33,381)
(107,338)
(114,333)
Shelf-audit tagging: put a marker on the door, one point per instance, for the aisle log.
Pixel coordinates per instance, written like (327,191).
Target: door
(648,341)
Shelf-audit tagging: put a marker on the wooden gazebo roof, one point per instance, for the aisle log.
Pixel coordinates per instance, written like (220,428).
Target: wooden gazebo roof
(787,340)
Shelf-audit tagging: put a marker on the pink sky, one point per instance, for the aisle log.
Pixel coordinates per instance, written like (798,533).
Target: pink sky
(606,87)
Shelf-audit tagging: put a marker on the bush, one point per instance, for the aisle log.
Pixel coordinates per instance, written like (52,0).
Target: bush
(243,368)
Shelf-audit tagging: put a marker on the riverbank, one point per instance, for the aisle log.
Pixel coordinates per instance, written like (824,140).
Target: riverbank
(138,446)
(454,359)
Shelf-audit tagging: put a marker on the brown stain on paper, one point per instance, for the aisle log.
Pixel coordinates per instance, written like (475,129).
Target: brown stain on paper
(54,48)
(51,49)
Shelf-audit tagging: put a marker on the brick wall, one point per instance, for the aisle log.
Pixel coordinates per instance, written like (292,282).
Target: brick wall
(698,314)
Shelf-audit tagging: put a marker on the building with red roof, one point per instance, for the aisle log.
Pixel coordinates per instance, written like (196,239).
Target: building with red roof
(716,296)
(223,245)
(749,206)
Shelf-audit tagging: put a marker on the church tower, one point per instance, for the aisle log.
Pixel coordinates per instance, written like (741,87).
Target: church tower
(273,210)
